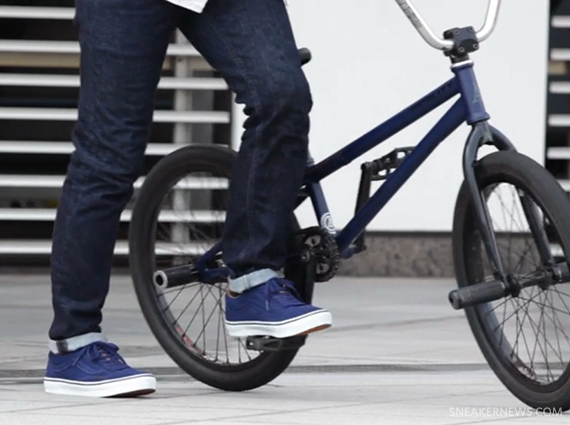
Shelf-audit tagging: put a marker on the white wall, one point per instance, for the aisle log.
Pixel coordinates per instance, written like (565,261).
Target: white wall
(369,63)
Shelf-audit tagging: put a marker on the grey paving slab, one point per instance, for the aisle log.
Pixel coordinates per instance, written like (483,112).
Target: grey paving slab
(397,354)
(387,321)
(43,419)
(296,398)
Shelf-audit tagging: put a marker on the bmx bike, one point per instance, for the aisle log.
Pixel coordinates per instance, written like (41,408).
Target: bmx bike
(506,271)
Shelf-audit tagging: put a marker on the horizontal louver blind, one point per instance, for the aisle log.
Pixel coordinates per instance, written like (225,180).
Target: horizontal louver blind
(39,83)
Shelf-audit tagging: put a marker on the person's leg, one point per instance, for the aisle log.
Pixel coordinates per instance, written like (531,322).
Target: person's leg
(251,43)
(123,45)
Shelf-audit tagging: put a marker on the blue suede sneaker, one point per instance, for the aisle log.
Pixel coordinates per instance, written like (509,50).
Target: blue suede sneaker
(96,370)
(273,309)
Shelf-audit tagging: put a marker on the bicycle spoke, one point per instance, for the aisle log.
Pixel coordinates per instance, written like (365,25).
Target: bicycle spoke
(560,295)
(546,344)
(185,308)
(509,233)
(203,317)
(561,327)
(172,302)
(204,328)
(181,288)
(537,333)
(511,315)
(222,317)
(519,264)
(504,315)
(559,353)
(239,350)
(505,300)
(244,348)
(542,304)
(521,329)
(195,314)
(219,323)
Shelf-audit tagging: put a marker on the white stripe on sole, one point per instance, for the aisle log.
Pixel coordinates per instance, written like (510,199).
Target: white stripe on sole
(131,385)
(285,329)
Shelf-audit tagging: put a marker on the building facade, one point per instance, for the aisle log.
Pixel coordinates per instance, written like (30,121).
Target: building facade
(368,63)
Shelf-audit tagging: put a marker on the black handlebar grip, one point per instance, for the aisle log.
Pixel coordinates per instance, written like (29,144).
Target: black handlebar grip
(477,294)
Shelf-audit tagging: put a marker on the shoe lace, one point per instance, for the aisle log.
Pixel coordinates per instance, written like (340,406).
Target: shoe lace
(276,288)
(107,355)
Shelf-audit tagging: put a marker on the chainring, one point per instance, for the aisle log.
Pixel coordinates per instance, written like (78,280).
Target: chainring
(323,246)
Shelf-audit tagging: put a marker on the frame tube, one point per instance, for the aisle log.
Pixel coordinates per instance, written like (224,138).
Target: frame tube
(445,126)
(382,132)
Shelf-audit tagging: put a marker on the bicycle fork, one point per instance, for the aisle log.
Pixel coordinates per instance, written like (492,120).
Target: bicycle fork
(503,285)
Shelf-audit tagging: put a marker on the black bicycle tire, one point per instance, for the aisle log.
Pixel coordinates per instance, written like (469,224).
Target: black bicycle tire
(541,186)
(260,371)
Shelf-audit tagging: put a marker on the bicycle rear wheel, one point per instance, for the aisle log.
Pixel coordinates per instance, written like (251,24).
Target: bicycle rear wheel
(179,214)
(525,338)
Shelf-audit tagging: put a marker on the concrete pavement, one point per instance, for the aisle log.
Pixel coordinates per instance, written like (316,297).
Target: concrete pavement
(397,354)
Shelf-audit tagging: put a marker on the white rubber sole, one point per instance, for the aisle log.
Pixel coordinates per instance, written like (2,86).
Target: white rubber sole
(129,386)
(310,322)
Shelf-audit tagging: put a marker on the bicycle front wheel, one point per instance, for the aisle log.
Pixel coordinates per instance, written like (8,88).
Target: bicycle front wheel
(524,338)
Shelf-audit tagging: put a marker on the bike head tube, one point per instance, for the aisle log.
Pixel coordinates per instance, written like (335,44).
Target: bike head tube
(436,42)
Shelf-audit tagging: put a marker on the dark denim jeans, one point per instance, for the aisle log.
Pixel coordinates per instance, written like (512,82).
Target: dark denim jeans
(123,45)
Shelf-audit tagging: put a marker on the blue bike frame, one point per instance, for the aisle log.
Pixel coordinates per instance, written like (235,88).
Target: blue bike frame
(468,108)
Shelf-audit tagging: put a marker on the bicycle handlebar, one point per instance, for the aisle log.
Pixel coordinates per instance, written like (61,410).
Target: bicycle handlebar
(438,43)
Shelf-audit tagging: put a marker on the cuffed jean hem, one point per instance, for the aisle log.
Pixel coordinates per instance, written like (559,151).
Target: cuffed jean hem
(75,343)
(251,280)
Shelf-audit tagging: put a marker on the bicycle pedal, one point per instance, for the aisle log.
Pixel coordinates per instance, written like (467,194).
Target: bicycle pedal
(267,343)
(389,162)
